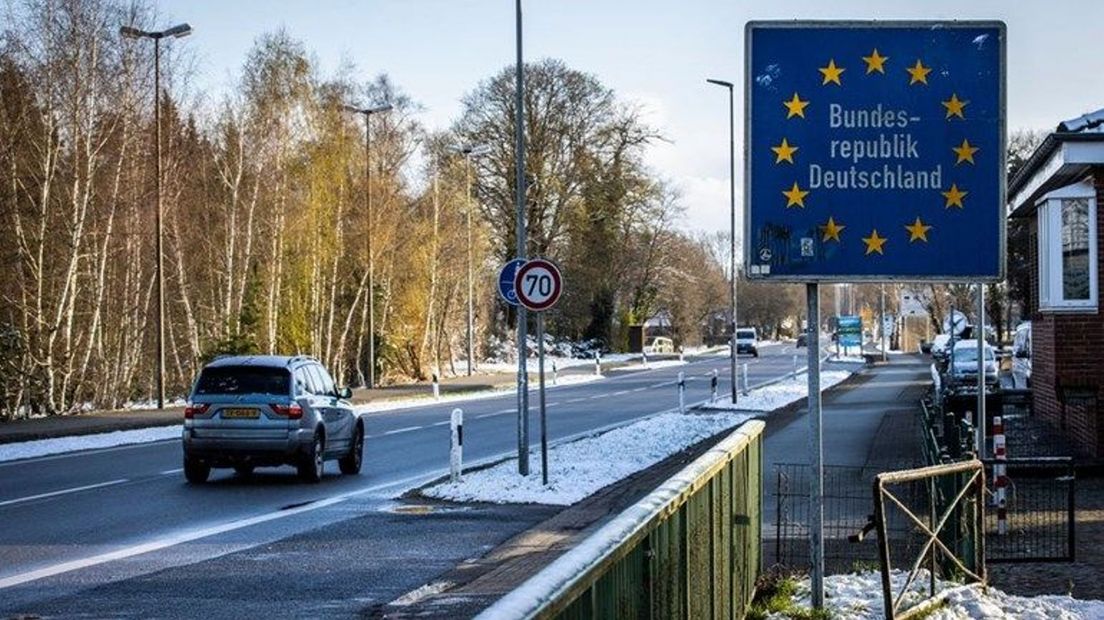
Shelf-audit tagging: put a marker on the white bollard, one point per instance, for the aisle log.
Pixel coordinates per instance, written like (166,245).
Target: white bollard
(746,388)
(555,372)
(644,358)
(680,355)
(436,388)
(598,363)
(1000,475)
(682,392)
(456,454)
(713,387)
(794,374)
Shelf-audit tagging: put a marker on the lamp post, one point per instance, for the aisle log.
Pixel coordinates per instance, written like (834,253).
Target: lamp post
(732,200)
(178,31)
(367,113)
(469,151)
(520,234)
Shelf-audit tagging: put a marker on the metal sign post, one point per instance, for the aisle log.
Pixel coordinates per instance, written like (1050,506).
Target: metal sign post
(980,370)
(538,285)
(874,151)
(816,444)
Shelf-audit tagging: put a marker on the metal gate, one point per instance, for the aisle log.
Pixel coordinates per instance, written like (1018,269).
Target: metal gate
(1036,522)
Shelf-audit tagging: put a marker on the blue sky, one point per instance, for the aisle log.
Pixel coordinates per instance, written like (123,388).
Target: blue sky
(656,54)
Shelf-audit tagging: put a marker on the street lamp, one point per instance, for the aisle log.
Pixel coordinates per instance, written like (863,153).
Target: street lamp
(178,31)
(469,151)
(732,198)
(367,113)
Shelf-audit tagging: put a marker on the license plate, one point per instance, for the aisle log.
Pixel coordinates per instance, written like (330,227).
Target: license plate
(241,413)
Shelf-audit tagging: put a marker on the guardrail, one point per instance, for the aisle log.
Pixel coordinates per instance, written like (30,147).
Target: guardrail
(690,549)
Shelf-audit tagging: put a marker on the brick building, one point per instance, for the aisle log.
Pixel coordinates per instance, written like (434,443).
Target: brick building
(1060,189)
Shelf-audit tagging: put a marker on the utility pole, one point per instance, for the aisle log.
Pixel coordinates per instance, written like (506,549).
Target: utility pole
(370,381)
(470,151)
(178,31)
(732,214)
(520,233)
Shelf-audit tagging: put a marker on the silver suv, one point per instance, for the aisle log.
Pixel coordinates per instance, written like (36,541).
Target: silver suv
(250,411)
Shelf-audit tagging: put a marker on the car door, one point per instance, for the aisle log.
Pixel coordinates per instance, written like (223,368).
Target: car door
(343,415)
(337,440)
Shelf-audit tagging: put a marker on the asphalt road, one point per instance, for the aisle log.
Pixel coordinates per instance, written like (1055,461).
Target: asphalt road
(85,532)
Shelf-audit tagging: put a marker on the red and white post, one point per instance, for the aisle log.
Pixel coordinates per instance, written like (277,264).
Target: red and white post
(1000,475)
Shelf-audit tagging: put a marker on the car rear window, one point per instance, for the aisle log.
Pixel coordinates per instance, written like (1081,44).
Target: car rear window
(243,380)
(745,333)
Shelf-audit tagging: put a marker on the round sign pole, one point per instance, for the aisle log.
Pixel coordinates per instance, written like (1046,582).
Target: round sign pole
(538,285)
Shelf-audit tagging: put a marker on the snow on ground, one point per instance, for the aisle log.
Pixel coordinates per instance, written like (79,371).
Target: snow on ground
(152,404)
(45,447)
(581,467)
(652,365)
(847,359)
(858,596)
(771,397)
(420,401)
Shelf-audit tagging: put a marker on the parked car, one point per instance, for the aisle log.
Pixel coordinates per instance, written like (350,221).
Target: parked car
(939,346)
(660,344)
(747,341)
(258,411)
(1021,356)
(963,369)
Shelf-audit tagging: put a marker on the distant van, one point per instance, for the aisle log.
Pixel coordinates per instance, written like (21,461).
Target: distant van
(747,341)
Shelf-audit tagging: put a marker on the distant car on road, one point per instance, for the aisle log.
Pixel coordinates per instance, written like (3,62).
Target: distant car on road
(660,344)
(939,346)
(266,410)
(1021,357)
(964,368)
(747,341)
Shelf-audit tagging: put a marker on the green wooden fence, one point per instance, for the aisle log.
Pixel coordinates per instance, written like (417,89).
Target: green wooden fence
(690,549)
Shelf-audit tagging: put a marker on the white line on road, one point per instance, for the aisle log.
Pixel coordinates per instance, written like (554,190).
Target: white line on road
(170,472)
(621,393)
(575,400)
(86,487)
(406,429)
(442,423)
(640,389)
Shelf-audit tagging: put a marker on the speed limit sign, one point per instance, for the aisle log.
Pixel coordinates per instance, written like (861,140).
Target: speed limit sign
(538,284)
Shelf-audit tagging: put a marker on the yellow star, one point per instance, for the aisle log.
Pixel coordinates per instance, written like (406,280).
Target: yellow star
(795,107)
(874,243)
(784,152)
(955,106)
(918,231)
(831,73)
(795,196)
(875,62)
(954,196)
(832,230)
(918,72)
(965,152)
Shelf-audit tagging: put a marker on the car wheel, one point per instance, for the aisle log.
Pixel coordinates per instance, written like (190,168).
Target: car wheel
(195,471)
(755,353)
(244,471)
(351,462)
(311,464)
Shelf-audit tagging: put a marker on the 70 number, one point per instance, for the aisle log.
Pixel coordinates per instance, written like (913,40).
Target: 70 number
(540,283)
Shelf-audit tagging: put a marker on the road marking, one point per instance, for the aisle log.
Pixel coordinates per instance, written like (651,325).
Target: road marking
(76,453)
(169,472)
(576,400)
(659,385)
(402,430)
(86,487)
(442,423)
(621,393)
(552,404)
(488,415)
(640,389)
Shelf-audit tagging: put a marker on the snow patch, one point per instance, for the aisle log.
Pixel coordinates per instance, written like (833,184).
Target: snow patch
(579,468)
(776,395)
(46,447)
(858,596)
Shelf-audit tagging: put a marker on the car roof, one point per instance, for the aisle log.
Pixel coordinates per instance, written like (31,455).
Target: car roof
(268,361)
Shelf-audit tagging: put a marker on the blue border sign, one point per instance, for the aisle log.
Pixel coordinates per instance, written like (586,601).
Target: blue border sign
(875,151)
(506,281)
(849,330)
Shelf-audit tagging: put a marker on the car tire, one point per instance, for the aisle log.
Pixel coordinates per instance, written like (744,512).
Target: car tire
(351,462)
(196,472)
(311,463)
(755,353)
(244,471)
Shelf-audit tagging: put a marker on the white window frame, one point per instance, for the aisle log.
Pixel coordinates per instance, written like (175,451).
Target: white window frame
(1049,219)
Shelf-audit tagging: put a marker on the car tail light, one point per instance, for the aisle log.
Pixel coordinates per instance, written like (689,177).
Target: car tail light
(191,411)
(292,411)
